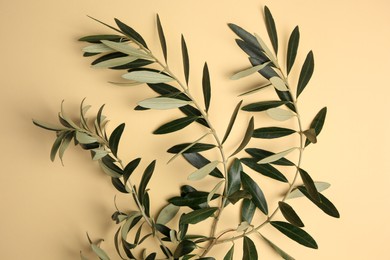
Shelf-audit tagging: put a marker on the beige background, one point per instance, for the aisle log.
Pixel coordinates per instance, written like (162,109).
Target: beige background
(46,208)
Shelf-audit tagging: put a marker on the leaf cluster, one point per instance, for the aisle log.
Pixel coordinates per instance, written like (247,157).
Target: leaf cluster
(234,176)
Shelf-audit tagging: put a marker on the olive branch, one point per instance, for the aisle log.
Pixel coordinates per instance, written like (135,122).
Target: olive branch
(127,50)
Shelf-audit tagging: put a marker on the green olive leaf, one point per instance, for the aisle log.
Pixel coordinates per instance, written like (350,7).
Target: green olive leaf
(186,60)
(257,194)
(206,86)
(247,137)
(162,38)
(249,249)
(167,214)
(231,122)
(290,215)
(306,73)
(198,215)
(292,49)
(278,250)
(271,29)
(295,233)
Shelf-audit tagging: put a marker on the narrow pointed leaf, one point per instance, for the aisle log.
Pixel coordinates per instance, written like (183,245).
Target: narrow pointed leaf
(213,191)
(244,35)
(255,90)
(257,194)
(175,125)
(97,48)
(265,169)
(247,137)
(56,145)
(259,154)
(271,29)
(229,255)
(234,177)
(197,216)
(324,204)
(115,138)
(167,214)
(263,105)
(162,38)
(127,30)
(280,114)
(183,248)
(309,184)
(290,215)
(249,71)
(276,156)
(99,252)
(147,175)
(98,154)
(191,111)
(186,60)
(249,249)
(152,256)
(114,62)
(265,48)
(127,49)
(247,210)
(192,199)
(231,122)
(98,38)
(65,144)
(146,76)
(278,250)
(198,161)
(306,73)
(292,48)
(296,193)
(162,103)
(195,148)
(206,86)
(203,172)
(129,169)
(109,167)
(317,123)
(295,233)
(272,132)
(278,83)
(47,126)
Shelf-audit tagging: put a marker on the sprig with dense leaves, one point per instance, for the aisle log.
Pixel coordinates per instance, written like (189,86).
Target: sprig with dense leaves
(234,182)
(104,149)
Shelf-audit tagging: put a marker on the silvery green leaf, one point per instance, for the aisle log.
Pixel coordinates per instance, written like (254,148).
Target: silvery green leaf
(99,252)
(98,154)
(276,156)
(167,214)
(126,84)
(147,76)
(65,143)
(97,48)
(249,71)
(283,254)
(265,48)
(320,186)
(280,114)
(255,90)
(115,62)
(243,226)
(48,126)
(126,227)
(127,49)
(56,145)
(84,138)
(203,172)
(278,83)
(162,103)
(214,190)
